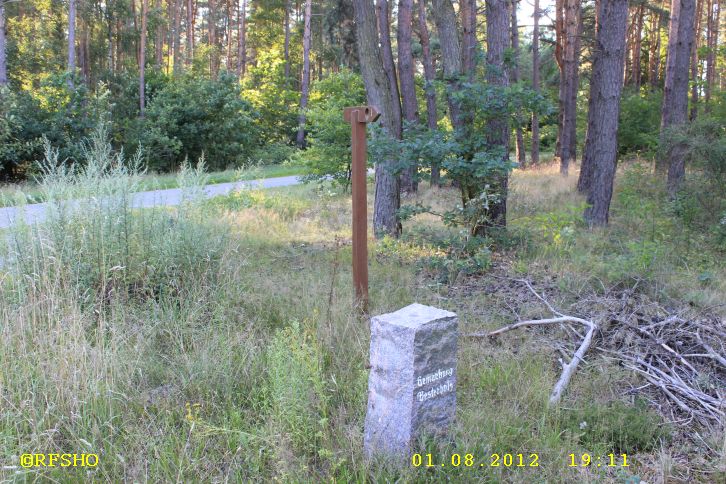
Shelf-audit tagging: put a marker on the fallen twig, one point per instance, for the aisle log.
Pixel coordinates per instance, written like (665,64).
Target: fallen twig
(568,369)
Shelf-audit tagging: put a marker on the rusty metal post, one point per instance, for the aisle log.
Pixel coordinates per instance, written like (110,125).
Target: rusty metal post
(358,117)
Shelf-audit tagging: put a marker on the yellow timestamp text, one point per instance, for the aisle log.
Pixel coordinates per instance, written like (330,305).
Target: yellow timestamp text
(588,460)
(470,460)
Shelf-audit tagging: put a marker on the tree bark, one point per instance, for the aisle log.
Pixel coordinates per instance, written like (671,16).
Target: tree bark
(637,45)
(84,53)
(71,42)
(212,28)
(429,76)
(601,146)
(305,86)
(445,20)
(241,40)
(110,39)
(568,136)
(409,103)
(654,50)
(535,82)
(694,61)
(142,58)
(169,36)
(228,27)
(713,19)
(178,5)
(497,16)
(286,46)
(675,93)
(379,93)
(189,57)
(467,11)
(383,15)
(559,58)
(519,136)
(159,38)
(3,55)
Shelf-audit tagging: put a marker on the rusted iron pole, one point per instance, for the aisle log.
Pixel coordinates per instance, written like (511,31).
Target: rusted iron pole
(358,117)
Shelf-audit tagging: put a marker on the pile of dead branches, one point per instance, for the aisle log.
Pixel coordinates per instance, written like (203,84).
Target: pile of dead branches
(681,356)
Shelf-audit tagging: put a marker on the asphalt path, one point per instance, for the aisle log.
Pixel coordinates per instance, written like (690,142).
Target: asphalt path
(36,213)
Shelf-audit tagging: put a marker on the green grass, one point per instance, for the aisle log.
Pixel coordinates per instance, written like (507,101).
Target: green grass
(254,367)
(30,192)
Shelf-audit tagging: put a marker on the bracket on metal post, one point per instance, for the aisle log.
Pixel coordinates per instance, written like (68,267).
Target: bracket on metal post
(358,117)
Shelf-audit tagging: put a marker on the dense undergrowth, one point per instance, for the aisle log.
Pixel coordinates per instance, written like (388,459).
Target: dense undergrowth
(218,341)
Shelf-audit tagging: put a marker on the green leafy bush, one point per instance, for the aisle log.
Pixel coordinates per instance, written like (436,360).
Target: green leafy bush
(273,98)
(328,136)
(191,117)
(275,153)
(55,111)
(639,126)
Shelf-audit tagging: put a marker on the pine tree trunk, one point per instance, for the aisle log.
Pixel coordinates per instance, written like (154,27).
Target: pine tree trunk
(241,41)
(713,19)
(694,61)
(178,5)
(601,147)
(379,93)
(383,16)
(119,48)
(142,59)
(85,53)
(637,46)
(497,15)
(409,103)
(286,45)
(629,41)
(568,137)
(675,94)
(109,39)
(654,49)
(429,76)
(71,41)
(559,58)
(305,87)
(467,12)
(3,55)
(169,36)
(136,30)
(519,136)
(445,20)
(159,40)
(228,34)
(535,82)
(212,27)
(189,54)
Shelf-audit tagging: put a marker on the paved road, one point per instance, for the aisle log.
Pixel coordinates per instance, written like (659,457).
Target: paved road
(36,212)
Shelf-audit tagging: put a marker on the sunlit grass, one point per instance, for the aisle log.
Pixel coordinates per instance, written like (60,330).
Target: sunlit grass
(196,387)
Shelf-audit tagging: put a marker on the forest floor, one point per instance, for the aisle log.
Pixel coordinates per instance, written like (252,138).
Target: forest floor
(259,373)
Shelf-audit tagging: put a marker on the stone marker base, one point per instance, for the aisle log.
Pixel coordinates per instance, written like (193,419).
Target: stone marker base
(412,383)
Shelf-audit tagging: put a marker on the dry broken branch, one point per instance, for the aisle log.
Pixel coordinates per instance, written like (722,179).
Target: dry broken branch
(568,369)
